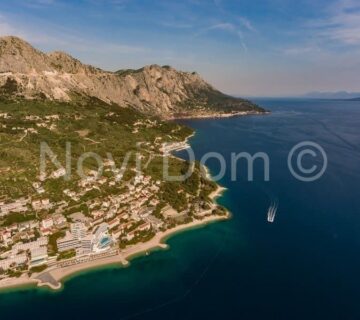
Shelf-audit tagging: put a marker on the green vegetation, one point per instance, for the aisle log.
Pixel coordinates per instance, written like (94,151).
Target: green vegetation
(17,218)
(89,125)
(10,87)
(38,269)
(215,101)
(219,211)
(13,273)
(66,255)
(141,236)
(53,238)
(172,194)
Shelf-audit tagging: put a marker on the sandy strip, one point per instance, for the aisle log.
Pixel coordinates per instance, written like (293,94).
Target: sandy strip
(123,258)
(22,281)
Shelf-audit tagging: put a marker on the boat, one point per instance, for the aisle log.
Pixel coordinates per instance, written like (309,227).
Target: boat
(272,212)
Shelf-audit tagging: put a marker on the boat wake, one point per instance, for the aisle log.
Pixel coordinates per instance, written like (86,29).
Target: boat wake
(272,211)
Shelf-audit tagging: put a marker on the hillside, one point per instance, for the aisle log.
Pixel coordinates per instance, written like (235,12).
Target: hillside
(163,91)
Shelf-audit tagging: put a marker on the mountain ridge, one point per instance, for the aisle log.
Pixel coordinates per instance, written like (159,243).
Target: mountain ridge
(156,90)
(337,95)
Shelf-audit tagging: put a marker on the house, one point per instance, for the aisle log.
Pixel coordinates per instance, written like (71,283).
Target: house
(155,222)
(130,235)
(58,173)
(23,226)
(59,220)
(19,205)
(42,204)
(96,222)
(144,227)
(116,233)
(114,223)
(97,214)
(154,202)
(45,232)
(145,212)
(127,225)
(123,216)
(5,236)
(47,223)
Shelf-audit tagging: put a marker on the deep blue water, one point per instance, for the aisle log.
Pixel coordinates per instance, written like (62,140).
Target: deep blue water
(306,265)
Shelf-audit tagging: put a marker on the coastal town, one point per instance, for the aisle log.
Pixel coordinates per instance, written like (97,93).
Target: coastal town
(96,219)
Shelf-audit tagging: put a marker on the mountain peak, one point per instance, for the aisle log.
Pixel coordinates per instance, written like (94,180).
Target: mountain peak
(13,41)
(64,62)
(153,89)
(17,55)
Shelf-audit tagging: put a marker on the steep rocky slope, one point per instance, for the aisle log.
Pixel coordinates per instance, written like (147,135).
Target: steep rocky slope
(163,91)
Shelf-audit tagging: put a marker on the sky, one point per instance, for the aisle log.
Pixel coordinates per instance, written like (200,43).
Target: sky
(243,47)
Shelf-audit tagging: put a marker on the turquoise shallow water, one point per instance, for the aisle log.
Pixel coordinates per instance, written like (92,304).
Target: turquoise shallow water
(303,266)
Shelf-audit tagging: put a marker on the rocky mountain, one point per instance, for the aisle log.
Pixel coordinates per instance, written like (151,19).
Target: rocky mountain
(163,91)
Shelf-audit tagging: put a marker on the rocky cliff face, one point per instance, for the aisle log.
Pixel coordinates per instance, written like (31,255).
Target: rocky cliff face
(162,91)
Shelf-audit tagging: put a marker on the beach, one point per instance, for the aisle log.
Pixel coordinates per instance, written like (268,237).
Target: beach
(53,277)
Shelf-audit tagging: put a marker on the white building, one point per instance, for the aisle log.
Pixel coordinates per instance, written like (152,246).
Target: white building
(102,239)
(78,230)
(13,261)
(87,244)
(43,204)
(39,256)
(19,205)
(43,241)
(59,219)
(67,243)
(47,223)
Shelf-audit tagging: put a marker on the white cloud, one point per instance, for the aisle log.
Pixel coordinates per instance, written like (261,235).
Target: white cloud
(247,24)
(342,24)
(222,26)
(226,27)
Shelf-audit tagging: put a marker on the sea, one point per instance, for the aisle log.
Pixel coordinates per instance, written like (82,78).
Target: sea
(304,265)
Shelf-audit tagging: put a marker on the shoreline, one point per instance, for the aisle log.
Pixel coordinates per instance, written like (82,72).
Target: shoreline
(123,259)
(217,115)
(55,277)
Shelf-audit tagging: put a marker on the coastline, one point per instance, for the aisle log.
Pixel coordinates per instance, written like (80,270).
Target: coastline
(216,115)
(53,278)
(59,275)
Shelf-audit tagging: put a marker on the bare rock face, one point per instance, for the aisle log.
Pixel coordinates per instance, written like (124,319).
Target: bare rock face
(20,57)
(155,90)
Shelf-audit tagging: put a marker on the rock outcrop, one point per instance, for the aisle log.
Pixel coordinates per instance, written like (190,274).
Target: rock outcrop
(163,91)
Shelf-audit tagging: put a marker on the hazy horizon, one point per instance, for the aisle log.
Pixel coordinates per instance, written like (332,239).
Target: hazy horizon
(270,48)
